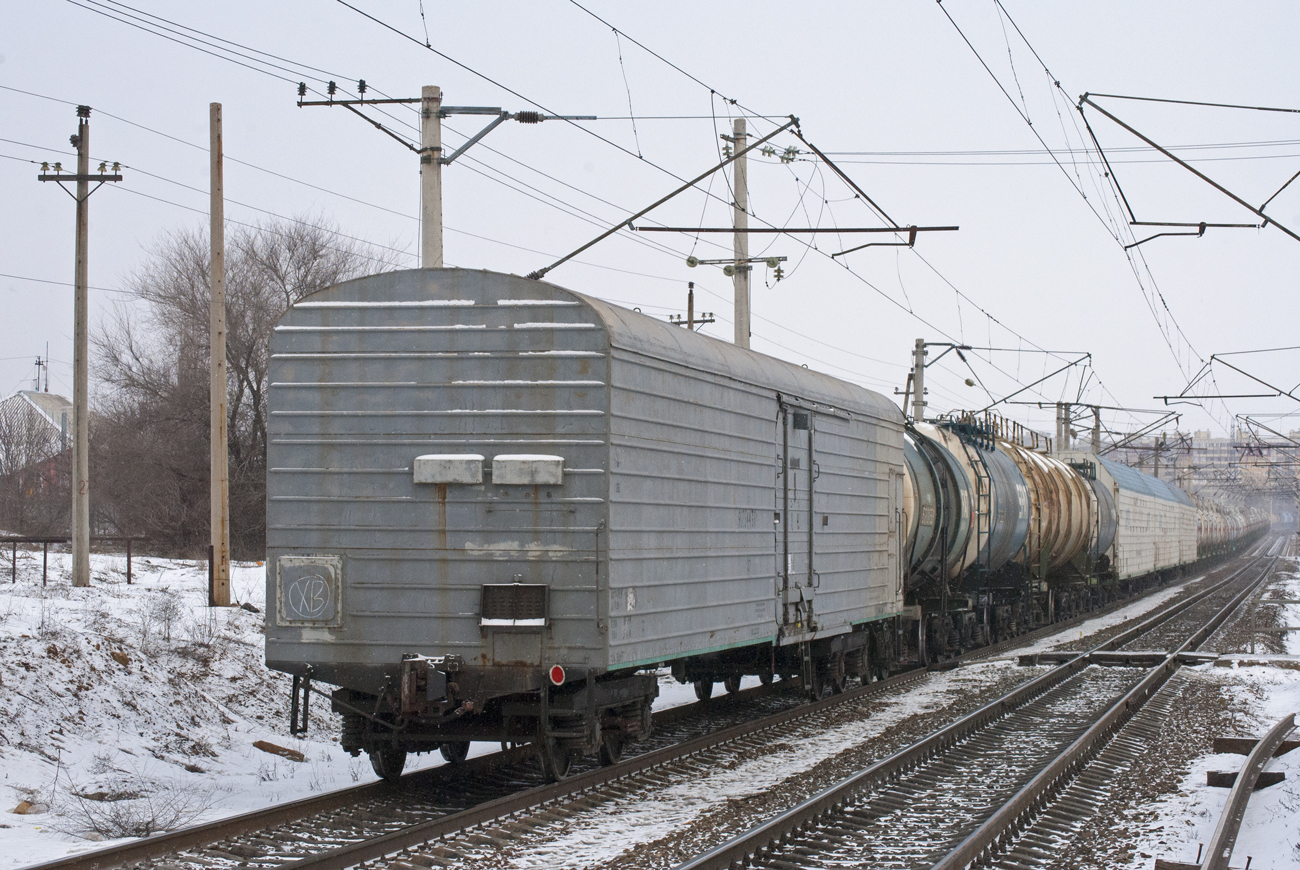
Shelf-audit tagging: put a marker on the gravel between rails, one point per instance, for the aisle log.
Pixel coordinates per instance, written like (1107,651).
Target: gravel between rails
(1177,727)
(694,813)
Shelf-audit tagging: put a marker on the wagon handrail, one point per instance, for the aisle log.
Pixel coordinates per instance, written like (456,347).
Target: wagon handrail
(1225,835)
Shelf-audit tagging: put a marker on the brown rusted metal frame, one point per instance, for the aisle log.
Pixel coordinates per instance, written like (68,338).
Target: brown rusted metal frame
(46,540)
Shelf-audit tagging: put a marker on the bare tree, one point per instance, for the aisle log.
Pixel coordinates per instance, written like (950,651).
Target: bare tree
(151,361)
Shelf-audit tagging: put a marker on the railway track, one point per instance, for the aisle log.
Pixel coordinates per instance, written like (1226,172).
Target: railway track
(342,829)
(1035,757)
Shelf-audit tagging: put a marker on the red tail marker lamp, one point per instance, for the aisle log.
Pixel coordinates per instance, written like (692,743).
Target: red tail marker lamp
(557,675)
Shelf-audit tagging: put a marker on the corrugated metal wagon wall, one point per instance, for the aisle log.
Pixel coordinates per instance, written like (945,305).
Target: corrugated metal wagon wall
(369,375)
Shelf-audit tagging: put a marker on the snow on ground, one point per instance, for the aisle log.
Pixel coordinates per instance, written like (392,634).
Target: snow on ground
(1270,831)
(1092,626)
(119,691)
(625,824)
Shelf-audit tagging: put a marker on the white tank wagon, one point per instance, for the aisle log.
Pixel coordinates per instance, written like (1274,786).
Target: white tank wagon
(493,503)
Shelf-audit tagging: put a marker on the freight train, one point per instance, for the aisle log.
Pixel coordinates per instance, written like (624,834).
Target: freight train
(496,507)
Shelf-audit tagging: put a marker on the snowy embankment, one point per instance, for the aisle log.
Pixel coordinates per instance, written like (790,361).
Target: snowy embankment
(130,708)
(1179,824)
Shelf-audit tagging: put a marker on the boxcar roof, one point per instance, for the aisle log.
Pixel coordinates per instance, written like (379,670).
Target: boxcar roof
(633,331)
(1135,481)
(627,330)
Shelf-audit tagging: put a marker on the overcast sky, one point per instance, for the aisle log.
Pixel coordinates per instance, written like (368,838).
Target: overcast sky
(890,91)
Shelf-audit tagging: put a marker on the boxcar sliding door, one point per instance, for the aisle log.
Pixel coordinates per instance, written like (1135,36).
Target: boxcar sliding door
(794,496)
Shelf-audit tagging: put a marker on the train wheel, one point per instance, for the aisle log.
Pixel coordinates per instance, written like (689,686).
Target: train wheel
(611,747)
(836,680)
(553,758)
(388,761)
(766,678)
(731,684)
(455,751)
(704,689)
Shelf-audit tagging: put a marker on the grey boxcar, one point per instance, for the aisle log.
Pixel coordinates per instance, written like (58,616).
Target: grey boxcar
(491,501)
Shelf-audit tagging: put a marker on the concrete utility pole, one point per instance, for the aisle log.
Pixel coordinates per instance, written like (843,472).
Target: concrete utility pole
(741,223)
(918,381)
(219,593)
(430,151)
(1096,430)
(80,351)
(430,177)
(80,365)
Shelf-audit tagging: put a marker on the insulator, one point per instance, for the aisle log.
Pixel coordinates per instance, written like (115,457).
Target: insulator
(331,88)
(528,117)
(361,87)
(302,90)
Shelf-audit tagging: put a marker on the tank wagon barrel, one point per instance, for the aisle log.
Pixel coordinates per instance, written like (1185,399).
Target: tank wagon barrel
(496,507)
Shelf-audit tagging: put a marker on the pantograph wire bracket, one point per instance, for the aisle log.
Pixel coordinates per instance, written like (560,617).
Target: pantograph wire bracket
(1086,99)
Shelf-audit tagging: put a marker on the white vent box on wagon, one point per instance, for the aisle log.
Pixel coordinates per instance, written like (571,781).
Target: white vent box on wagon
(527,469)
(449,468)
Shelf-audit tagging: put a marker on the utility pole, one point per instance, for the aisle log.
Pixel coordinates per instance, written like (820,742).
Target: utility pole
(1096,430)
(430,177)
(918,381)
(690,322)
(432,111)
(740,181)
(219,487)
(80,344)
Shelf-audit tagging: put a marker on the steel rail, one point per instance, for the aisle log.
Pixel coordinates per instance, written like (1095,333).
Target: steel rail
(199,836)
(543,795)
(740,850)
(743,849)
(1225,833)
(207,834)
(1001,829)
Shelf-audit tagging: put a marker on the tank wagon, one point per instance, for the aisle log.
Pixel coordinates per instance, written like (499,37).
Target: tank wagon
(494,505)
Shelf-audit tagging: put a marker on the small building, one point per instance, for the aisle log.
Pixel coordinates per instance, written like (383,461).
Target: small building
(35,433)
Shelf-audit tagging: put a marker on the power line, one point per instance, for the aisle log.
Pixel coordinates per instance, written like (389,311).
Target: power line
(708,194)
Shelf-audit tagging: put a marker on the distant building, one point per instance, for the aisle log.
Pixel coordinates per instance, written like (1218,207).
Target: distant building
(35,434)
(33,427)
